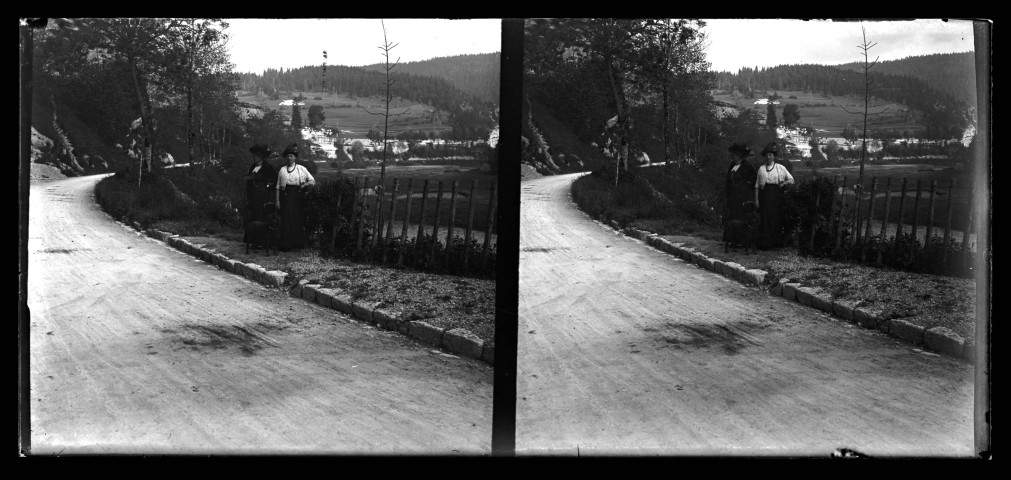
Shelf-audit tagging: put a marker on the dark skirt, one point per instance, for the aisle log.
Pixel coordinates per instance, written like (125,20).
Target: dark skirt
(256,196)
(771,215)
(292,219)
(736,196)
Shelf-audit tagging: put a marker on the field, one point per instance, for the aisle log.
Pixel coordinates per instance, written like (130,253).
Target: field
(826,114)
(347,113)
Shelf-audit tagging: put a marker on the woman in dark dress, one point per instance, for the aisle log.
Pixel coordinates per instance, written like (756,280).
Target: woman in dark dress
(739,185)
(259,183)
(292,181)
(772,178)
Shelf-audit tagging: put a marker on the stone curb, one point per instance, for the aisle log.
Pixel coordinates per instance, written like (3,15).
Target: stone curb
(458,340)
(938,339)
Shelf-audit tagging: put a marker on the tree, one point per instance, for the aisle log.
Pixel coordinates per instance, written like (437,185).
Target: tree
(868,81)
(317,117)
(386,47)
(791,115)
(832,151)
(770,116)
(673,60)
(296,114)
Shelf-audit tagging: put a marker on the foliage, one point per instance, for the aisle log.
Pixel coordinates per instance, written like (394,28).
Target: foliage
(316,116)
(791,115)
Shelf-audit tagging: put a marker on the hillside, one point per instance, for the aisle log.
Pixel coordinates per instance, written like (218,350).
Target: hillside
(941,115)
(477,74)
(951,73)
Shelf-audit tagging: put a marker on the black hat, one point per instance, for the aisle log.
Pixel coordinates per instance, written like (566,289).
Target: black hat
(771,148)
(293,149)
(260,151)
(740,149)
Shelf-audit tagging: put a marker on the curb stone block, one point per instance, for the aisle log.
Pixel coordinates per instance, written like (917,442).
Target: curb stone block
(231,266)
(754,276)
(309,292)
(790,290)
(488,353)
(736,271)
(461,341)
(719,266)
(907,331)
(324,297)
(707,263)
(884,324)
(296,291)
(342,301)
(777,289)
(248,271)
(943,339)
(868,319)
(387,320)
(697,258)
(822,302)
(276,278)
(843,309)
(804,295)
(363,311)
(425,332)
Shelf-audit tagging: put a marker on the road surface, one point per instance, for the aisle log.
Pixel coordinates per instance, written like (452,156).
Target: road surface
(626,350)
(137,348)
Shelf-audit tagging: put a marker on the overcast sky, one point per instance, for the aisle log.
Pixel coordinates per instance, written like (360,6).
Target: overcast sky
(258,44)
(768,42)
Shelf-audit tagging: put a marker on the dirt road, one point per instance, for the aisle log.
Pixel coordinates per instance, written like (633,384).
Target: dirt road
(137,348)
(624,349)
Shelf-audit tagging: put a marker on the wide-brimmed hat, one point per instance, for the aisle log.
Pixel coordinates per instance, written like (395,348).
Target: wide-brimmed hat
(771,148)
(292,149)
(739,149)
(261,151)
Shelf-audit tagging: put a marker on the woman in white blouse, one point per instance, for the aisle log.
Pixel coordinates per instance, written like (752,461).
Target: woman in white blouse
(292,180)
(772,178)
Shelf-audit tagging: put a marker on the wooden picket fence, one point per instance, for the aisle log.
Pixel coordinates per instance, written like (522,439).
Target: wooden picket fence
(864,225)
(445,239)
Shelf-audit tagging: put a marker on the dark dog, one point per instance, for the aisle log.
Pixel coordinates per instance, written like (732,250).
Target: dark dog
(264,233)
(743,232)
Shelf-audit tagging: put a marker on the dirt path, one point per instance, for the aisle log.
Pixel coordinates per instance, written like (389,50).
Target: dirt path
(138,348)
(624,349)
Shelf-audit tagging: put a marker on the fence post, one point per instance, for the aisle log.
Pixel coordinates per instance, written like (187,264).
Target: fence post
(870,218)
(435,224)
(947,224)
(884,221)
(913,250)
(814,222)
(832,223)
(900,228)
(842,207)
(490,223)
(858,190)
(336,221)
(389,221)
(361,223)
(470,222)
(421,222)
(930,212)
(407,220)
(353,218)
(378,234)
(451,231)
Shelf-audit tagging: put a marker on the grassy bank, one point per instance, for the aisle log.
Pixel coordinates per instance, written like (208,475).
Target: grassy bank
(189,206)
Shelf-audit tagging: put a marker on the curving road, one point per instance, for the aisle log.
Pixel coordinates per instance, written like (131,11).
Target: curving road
(137,348)
(626,350)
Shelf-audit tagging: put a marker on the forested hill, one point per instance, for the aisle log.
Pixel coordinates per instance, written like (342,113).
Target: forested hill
(476,74)
(951,73)
(358,81)
(946,116)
